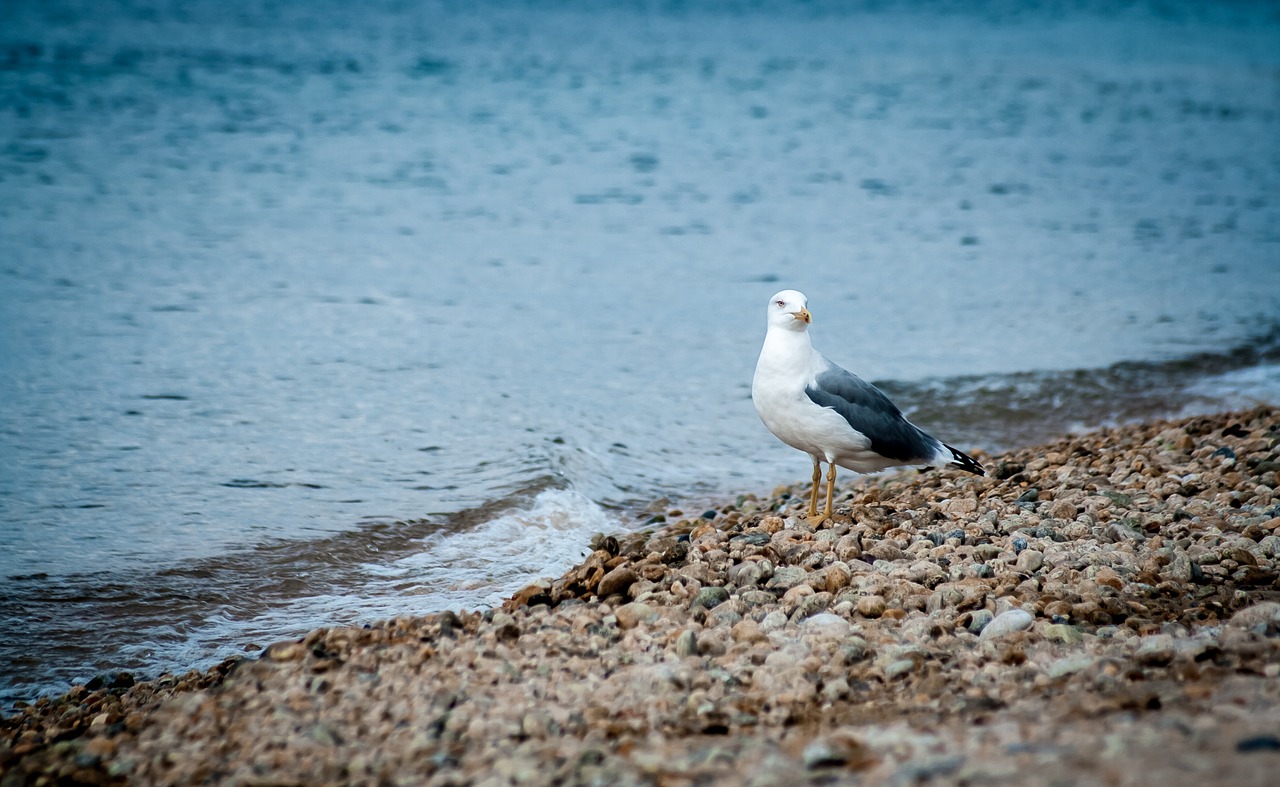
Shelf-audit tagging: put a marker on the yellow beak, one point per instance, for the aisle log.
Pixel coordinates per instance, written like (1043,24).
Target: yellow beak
(803,314)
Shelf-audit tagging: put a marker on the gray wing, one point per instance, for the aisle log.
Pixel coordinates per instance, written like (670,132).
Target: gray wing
(870,412)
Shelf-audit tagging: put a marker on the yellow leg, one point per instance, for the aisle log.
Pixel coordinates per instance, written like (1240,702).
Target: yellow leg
(813,494)
(831,489)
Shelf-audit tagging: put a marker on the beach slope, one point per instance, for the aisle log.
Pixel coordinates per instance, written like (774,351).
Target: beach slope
(1102,609)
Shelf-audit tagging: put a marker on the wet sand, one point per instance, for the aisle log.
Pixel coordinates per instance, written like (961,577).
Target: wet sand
(1101,609)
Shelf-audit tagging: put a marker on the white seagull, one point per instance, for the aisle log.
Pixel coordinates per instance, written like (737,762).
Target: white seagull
(831,414)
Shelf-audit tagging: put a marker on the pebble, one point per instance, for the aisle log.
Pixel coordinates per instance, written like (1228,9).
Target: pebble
(979,619)
(871,606)
(1155,650)
(840,749)
(828,625)
(773,621)
(1264,616)
(710,597)
(633,614)
(1061,632)
(687,643)
(1030,561)
(1069,665)
(787,577)
(617,581)
(1007,623)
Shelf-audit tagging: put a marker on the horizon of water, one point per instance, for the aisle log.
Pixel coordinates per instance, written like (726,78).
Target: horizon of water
(318,315)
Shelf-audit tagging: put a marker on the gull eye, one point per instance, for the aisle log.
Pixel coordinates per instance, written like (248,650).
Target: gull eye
(781,304)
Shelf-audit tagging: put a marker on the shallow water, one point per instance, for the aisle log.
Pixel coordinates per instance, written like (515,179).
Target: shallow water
(314,314)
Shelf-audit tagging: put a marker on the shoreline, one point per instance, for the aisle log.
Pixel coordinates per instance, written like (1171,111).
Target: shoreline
(1105,607)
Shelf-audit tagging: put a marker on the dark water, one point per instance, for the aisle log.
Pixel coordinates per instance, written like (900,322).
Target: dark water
(325,312)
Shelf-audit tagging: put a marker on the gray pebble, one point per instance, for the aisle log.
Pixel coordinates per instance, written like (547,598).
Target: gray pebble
(1007,623)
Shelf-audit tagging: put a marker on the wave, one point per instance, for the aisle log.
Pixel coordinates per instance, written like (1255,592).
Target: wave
(195,614)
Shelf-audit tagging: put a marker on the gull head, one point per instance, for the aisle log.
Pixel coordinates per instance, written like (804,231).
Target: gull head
(788,310)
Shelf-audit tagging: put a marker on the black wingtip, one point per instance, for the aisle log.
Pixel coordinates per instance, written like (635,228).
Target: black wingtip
(965,462)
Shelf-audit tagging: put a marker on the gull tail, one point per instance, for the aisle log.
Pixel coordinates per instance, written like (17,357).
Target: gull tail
(963,461)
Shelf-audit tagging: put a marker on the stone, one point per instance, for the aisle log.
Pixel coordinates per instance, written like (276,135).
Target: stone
(1007,623)
(1061,632)
(1061,509)
(748,631)
(871,606)
(838,749)
(757,598)
(787,577)
(617,581)
(812,604)
(899,667)
(1069,665)
(773,621)
(827,625)
(284,651)
(637,612)
(709,597)
(1030,561)
(1264,615)
(746,575)
(977,620)
(836,577)
(886,551)
(1156,650)
(687,643)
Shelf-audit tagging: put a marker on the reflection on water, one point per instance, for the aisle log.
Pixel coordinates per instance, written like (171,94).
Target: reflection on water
(298,300)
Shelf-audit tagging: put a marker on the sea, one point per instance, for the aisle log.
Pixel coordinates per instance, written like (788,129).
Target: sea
(318,313)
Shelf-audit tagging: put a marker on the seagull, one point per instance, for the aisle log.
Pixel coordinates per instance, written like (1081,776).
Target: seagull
(831,414)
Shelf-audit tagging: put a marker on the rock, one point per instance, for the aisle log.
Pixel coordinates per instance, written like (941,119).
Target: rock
(1180,569)
(757,598)
(787,577)
(284,651)
(836,577)
(1264,616)
(899,667)
(792,598)
(1061,509)
(1069,665)
(871,606)
(1061,632)
(827,625)
(709,597)
(812,604)
(748,631)
(1118,533)
(617,581)
(1007,623)
(505,628)
(1156,650)
(977,620)
(773,621)
(1259,743)
(633,614)
(687,643)
(886,551)
(839,749)
(1030,561)
(746,575)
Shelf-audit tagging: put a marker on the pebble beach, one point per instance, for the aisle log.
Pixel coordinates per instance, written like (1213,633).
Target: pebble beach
(1103,609)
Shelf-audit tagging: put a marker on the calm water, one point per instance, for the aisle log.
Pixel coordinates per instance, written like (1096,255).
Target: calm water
(323,312)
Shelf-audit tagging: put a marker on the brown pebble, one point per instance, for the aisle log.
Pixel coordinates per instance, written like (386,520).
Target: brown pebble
(871,606)
(617,581)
